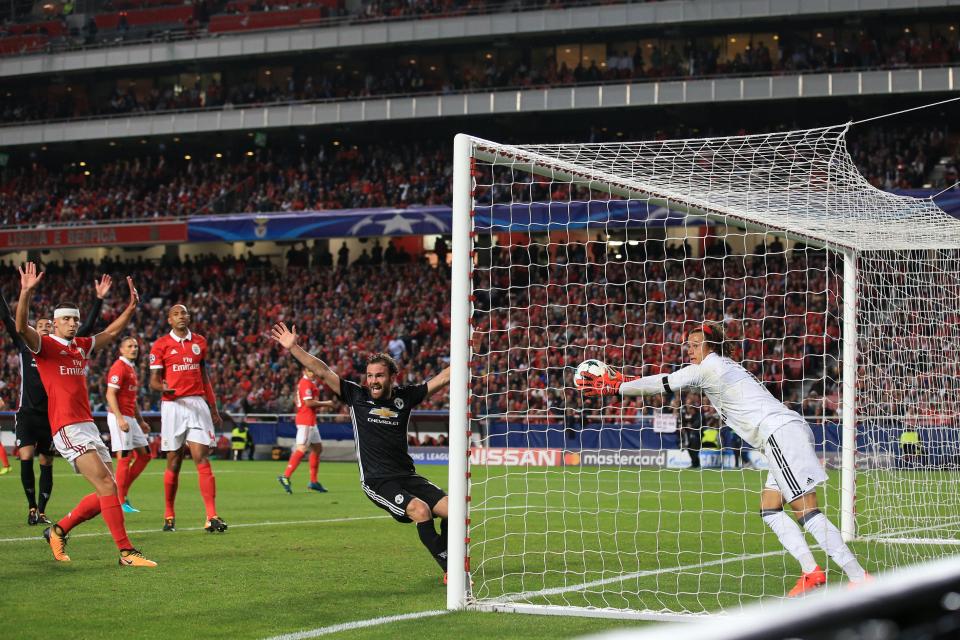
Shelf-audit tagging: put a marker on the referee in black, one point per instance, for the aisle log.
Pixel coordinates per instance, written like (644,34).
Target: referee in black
(32,423)
(380,411)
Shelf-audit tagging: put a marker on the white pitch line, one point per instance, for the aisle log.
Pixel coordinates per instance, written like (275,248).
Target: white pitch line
(232,526)
(358,624)
(638,574)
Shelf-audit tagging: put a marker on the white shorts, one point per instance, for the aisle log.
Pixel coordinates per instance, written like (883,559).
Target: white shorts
(307,435)
(74,440)
(185,420)
(795,469)
(127,440)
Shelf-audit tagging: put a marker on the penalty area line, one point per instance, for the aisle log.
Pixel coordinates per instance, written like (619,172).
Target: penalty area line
(358,624)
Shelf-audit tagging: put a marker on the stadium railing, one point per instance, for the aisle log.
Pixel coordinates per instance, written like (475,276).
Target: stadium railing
(892,66)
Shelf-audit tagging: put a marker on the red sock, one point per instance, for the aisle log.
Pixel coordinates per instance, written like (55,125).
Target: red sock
(3,456)
(295,459)
(113,514)
(314,465)
(123,472)
(208,487)
(87,508)
(171,481)
(140,461)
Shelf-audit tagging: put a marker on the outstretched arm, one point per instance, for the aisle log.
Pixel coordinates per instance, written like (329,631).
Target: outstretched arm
(112,332)
(90,323)
(288,340)
(29,279)
(614,383)
(438,382)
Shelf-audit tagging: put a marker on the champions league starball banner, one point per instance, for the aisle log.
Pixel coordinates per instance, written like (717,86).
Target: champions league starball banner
(300,225)
(535,217)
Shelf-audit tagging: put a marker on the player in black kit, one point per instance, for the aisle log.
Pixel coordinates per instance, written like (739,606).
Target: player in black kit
(380,412)
(32,424)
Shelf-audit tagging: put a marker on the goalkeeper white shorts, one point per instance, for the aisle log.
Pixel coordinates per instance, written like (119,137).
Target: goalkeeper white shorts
(795,469)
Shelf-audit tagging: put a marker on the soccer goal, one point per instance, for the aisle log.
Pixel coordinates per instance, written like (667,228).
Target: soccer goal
(842,299)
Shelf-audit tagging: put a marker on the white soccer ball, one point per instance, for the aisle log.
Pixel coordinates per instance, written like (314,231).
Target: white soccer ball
(593,367)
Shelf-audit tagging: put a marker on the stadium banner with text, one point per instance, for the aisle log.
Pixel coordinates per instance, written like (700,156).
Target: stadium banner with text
(654,459)
(429,455)
(95,235)
(515,457)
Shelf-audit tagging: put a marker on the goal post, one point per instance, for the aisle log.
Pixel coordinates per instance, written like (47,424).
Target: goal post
(567,505)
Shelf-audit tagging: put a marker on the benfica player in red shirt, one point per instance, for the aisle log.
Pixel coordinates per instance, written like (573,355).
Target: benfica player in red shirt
(128,429)
(62,361)
(188,412)
(308,436)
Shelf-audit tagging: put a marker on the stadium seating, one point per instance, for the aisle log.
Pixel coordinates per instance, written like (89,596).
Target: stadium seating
(794,52)
(340,177)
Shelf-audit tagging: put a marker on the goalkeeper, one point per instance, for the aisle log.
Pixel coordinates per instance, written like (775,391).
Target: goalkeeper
(765,423)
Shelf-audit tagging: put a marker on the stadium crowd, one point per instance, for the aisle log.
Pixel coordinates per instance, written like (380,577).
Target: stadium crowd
(343,314)
(412,72)
(338,176)
(780,307)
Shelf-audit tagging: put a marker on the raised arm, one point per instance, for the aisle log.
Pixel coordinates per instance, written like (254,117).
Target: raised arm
(29,279)
(438,382)
(288,340)
(113,330)
(90,323)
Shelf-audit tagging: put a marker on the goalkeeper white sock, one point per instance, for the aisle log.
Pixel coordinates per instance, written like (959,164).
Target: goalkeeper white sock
(830,540)
(791,537)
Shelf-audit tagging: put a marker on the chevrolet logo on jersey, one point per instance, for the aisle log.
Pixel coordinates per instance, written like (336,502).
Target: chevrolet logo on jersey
(383,412)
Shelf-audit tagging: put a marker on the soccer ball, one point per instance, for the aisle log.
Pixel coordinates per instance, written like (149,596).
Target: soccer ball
(593,367)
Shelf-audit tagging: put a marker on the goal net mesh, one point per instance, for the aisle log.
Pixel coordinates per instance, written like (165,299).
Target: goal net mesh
(610,251)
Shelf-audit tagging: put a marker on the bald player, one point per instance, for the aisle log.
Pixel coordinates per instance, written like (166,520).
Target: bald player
(188,413)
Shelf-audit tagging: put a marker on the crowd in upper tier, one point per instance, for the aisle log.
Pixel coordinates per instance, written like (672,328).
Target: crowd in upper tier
(452,70)
(340,176)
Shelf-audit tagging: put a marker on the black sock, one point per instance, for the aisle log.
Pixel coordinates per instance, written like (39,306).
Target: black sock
(46,486)
(430,539)
(443,532)
(29,482)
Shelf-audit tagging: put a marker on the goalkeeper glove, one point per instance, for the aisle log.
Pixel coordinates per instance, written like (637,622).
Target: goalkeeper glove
(605,384)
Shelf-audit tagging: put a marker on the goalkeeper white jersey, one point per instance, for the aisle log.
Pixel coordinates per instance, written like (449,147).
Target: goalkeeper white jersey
(743,403)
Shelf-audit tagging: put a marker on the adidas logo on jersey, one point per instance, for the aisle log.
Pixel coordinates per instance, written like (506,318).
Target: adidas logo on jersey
(173,352)
(62,352)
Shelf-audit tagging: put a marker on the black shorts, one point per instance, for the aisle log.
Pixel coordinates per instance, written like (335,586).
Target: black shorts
(33,430)
(394,494)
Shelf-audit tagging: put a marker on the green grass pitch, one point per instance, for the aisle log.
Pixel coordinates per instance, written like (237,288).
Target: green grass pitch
(305,561)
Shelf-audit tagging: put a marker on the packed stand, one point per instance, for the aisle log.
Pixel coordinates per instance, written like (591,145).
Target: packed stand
(416,72)
(342,176)
(536,320)
(336,177)
(343,313)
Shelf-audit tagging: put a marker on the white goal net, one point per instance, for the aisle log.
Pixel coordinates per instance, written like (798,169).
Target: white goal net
(844,301)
